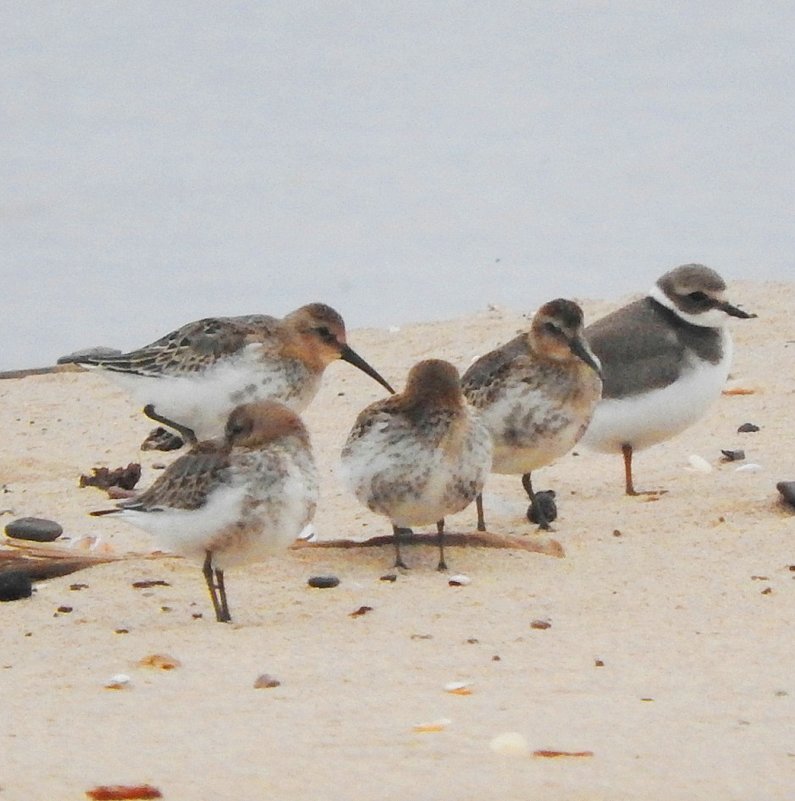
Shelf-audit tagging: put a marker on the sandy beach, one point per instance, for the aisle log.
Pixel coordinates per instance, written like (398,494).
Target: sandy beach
(667,664)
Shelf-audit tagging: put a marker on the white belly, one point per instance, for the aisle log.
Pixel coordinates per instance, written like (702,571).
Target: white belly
(644,420)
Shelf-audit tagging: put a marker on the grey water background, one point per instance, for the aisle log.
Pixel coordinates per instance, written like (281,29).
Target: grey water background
(402,161)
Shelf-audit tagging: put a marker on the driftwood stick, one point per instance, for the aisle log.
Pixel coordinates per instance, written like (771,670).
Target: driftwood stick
(480,539)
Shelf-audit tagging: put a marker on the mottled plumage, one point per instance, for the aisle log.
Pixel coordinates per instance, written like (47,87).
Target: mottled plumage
(235,499)
(665,359)
(420,455)
(536,393)
(194,376)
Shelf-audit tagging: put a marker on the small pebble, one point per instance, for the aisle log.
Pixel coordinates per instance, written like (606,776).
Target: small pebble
(389,577)
(36,529)
(459,580)
(323,582)
(747,428)
(64,609)
(736,455)
(15,585)
(787,490)
(98,352)
(541,624)
(266,682)
(362,610)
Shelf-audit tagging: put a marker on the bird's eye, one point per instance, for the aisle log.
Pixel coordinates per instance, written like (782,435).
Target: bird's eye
(551,328)
(698,297)
(325,334)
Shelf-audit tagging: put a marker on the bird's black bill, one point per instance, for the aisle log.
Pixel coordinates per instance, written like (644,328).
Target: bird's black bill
(348,354)
(733,311)
(579,349)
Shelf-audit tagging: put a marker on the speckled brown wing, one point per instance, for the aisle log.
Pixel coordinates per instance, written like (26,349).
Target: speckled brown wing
(485,375)
(187,482)
(191,348)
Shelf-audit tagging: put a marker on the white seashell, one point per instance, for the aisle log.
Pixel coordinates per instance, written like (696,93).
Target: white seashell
(699,464)
(458,687)
(308,533)
(510,743)
(459,580)
(751,467)
(118,682)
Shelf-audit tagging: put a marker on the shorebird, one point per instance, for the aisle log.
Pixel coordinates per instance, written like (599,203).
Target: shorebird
(192,378)
(536,395)
(232,500)
(665,359)
(420,455)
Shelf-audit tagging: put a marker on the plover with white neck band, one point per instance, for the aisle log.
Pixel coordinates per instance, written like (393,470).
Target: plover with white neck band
(665,359)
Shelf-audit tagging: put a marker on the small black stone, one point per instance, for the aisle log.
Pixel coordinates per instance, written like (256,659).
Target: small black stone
(323,582)
(34,528)
(545,502)
(15,585)
(736,455)
(747,428)
(787,490)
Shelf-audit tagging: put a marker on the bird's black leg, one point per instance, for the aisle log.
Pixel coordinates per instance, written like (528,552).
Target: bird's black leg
(440,530)
(479,507)
(209,577)
(185,432)
(219,583)
(398,559)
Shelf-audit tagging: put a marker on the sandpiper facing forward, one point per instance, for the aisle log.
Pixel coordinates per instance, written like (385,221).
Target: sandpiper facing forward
(665,359)
(420,455)
(536,394)
(232,500)
(193,377)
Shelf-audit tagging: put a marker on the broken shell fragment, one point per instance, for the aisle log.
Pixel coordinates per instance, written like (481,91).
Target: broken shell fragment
(510,743)
(433,726)
(459,580)
(118,682)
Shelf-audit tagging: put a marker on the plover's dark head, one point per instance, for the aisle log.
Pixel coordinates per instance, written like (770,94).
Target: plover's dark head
(316,335)
(254,425)
(433,382)
(557,332)
(697,294)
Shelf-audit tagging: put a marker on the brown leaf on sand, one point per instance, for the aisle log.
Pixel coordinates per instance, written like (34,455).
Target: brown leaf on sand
(123,792)
(476,539)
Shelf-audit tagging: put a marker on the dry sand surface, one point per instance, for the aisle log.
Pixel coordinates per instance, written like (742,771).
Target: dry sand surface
(670,654)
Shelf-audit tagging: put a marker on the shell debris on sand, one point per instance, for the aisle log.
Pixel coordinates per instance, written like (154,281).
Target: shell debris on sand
(458,687)
(510,743)
(432,726)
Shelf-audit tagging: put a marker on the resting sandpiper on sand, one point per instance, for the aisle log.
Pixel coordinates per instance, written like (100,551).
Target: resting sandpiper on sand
(420,455)
(536,394)
(235,499)
(192,378)
(665,359)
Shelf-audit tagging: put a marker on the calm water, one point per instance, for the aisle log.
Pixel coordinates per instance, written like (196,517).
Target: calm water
(402,161)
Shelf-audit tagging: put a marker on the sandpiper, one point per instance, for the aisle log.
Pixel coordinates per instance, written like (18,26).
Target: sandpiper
(235,499)
(665,359)
(418,456)
(191,378)
(536,394)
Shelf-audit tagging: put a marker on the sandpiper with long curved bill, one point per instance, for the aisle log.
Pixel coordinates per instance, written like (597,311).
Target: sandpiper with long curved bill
(192,378)
(536,394)
(418,456)
(233,500)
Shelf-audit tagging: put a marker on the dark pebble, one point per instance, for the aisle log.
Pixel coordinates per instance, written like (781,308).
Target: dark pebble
(93,353)
(747,428)
(734,455)
(15,585)
(787,490)
(389,577)
(323,582)
(545,500)
(540,624)
(34,528)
